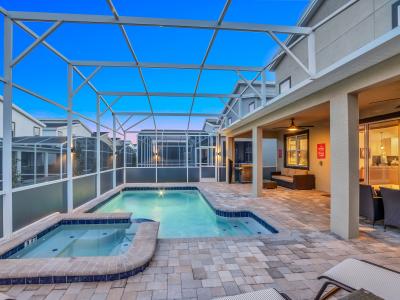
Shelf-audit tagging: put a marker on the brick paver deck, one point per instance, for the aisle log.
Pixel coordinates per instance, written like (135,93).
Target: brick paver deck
(205,268)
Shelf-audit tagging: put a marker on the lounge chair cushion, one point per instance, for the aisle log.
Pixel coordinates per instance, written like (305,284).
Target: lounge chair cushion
(285,172)
(299,172)
(361,275)
(268,294)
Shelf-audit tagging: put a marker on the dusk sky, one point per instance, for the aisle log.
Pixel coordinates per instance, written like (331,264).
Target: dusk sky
(44,73)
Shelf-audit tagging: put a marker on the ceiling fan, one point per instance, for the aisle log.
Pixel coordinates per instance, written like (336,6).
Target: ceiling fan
(293,127)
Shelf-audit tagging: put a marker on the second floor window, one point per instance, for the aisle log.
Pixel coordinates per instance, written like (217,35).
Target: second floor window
(252,106)
(285,85)
(396,14)
(36,131)
(229,121)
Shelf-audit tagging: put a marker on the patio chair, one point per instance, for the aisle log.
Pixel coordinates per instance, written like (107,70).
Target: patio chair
(267,294)
(391,204)
(353,274)
(371,207)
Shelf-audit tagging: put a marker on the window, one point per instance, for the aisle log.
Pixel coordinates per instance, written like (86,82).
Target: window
(396,14)
(13,129)
(36,131)
(252,106)
(229,121)
(296,150)
(285,85)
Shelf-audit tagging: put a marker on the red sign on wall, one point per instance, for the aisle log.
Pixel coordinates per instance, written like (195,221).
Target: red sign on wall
(321,151)
(279,153)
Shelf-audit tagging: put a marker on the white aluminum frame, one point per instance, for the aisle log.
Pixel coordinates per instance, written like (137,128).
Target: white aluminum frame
(18,17)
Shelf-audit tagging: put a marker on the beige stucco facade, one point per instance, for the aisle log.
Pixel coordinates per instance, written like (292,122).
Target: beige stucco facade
(336,124)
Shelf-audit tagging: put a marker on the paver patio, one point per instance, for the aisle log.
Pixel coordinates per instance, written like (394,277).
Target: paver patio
(205,268)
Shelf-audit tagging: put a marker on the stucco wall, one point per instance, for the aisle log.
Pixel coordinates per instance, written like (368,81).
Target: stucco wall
(23,125)
(358,25)
(320,168)
(241,108)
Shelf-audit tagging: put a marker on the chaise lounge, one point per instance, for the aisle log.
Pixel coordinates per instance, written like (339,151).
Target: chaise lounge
(267,294)
(353,274)
(295,179)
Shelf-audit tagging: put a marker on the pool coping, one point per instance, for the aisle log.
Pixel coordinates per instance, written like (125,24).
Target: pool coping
(79,269)
(208,197)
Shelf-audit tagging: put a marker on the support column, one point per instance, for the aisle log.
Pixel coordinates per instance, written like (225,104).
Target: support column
(46,164)
(344,120)
(263,88)
(34,164)
(230,144)
(70,200)
(124,157)
(114,150)
(18,161)
(257,161)
(312,57)
(187,157)
(156,156)
(7,128)
(98,154)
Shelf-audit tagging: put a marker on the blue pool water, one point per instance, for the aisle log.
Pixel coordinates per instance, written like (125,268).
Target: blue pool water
(81,240)
(181,213)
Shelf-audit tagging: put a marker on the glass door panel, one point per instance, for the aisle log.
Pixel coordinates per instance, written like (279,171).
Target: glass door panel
(362,155)
(383,161)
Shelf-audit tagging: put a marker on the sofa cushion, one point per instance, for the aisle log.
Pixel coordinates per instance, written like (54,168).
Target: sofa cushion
(284,171)
(300,172)
(283,178)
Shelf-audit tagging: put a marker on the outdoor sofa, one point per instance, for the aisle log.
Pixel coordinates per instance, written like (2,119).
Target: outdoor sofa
(371,206)
(296,179)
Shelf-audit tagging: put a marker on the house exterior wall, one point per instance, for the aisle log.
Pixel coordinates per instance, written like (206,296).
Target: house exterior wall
(24,126)
(319,134)
(355,27)
(242,107)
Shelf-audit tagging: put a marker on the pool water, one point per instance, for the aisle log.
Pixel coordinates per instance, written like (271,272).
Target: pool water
(181,213)
(81,240)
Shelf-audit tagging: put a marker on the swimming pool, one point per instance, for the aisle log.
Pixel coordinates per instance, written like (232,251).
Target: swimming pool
(182,213)
(74,240)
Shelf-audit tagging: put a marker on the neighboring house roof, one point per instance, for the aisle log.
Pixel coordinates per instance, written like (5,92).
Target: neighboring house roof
(211,122)
(40,140)
(62,123)
(161,131)
(25,114)
(305,18)
(241,83)
(102,133)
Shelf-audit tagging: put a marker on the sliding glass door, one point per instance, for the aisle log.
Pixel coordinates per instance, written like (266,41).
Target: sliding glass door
(379,153)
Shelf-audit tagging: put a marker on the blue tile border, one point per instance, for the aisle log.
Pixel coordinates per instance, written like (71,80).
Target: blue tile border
(22,245)
(72,279)
(218,212)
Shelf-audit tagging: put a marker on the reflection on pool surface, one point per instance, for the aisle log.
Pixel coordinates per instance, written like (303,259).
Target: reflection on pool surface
(81,240)
(181,213)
